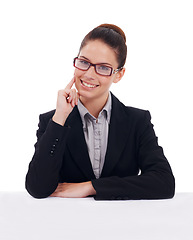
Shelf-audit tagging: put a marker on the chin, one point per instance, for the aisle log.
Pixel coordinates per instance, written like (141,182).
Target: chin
(86,94)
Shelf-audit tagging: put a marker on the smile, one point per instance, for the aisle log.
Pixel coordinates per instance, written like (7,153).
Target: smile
(88,84)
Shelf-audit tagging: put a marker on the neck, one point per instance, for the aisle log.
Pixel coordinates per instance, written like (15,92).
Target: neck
(94,106)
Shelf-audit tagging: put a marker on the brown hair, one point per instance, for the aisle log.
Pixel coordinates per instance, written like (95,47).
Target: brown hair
(113,36)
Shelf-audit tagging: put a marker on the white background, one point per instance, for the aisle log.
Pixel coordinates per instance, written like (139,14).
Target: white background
(38,41)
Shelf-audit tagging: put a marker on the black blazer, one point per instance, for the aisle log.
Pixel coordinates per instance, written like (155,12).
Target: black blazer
(61,156)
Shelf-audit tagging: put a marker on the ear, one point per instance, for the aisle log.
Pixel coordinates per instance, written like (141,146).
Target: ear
(119,75)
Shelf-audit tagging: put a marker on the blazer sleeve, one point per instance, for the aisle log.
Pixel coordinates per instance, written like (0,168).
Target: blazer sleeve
(43,173)
(156,180)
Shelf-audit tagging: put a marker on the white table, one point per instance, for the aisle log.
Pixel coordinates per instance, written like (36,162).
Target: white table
(23,217)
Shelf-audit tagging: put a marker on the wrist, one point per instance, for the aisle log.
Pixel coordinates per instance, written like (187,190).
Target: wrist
(59,117)
(90,189)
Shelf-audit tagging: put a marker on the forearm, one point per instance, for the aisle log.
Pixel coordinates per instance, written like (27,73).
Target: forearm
(152,185)
(43,173)
(74,190)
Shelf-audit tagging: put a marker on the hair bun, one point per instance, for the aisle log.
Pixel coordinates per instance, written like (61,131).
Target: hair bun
(115,28)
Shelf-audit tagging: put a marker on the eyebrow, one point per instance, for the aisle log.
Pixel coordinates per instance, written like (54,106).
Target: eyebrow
(96,63)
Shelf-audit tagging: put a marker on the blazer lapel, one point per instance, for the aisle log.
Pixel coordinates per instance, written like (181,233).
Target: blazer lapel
(118,135)
(77,144)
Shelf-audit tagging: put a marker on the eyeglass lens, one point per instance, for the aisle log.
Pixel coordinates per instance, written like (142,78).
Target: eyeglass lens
(99,68)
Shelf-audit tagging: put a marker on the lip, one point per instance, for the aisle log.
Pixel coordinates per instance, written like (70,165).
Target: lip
(87,87)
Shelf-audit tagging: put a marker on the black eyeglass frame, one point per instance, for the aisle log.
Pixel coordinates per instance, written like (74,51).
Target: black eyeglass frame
(94,65)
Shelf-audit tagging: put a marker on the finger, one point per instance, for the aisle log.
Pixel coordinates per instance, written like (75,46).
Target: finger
(59,187)
(70,96)
(73,94)
(73,103)
(70,84)
(55,194)
(57,191)
(77,97)
(74,97)
(63,92)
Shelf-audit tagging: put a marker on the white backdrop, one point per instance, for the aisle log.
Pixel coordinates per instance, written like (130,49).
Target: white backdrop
(40,38)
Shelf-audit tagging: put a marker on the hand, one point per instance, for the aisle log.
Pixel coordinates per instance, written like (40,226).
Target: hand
(74,190)
(66,101)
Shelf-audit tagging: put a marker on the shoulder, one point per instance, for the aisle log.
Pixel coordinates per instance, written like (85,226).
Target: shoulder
(129,111)
(138,115)
(135,111)
(48,115)
(45,117)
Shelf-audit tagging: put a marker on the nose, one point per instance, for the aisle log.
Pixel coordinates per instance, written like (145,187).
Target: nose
(90,73)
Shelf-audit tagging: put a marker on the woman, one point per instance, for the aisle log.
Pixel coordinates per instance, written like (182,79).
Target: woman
(93,145)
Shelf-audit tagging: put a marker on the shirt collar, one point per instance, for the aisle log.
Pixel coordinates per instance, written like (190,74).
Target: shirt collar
(107,108)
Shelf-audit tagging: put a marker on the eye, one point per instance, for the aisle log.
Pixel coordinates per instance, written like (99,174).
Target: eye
(103,68)
(83,62)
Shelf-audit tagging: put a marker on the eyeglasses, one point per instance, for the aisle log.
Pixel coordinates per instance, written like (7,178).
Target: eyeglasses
(100,69)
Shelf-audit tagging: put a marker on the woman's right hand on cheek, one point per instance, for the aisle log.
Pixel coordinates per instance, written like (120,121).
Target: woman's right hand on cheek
(66,101)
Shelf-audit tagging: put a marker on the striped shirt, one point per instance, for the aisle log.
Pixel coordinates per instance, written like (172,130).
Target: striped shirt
(96,134)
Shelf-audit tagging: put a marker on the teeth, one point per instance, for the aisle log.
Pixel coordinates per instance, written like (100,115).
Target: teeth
(88,85)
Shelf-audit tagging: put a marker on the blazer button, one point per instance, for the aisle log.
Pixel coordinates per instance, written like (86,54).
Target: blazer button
(51,152)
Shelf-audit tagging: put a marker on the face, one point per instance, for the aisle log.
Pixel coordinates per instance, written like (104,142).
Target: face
(89,84)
